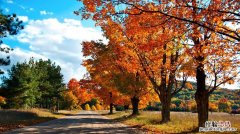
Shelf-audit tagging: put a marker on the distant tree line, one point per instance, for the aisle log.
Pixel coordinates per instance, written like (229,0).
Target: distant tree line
(33,84)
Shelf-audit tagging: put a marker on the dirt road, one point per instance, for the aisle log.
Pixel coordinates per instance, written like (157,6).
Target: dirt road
(83,123)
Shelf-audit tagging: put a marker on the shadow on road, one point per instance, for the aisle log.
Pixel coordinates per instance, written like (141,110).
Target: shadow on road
(86,122)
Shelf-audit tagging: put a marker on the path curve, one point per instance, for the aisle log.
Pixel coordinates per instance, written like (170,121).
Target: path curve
(86,122)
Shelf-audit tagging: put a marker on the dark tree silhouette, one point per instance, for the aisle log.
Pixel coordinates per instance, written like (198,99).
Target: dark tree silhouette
(9,25)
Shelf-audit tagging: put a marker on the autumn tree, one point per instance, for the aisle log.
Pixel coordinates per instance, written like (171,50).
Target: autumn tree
(70,101)
(161,70)
(208,27)
(83,95)
(174,10)
(107,96)
(134,84)
(99,66)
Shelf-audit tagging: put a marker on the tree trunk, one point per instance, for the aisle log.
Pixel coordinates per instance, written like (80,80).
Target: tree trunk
(135,101)
(126,107)
(57,104)
(201,96)
(165,111)
(111,108)
(111,103)
(165,102)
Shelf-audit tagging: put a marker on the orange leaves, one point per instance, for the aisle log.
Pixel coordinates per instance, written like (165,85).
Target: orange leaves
(90,5)
(213,106)
(162,49)
(231,82)
(83,95)
(223,100)
(2,100)
(189,85)
(73,84)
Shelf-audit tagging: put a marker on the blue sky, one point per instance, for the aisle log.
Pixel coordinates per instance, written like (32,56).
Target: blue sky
(52,31)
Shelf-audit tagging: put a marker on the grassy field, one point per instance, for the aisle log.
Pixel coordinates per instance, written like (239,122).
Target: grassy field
(11,119)
(181,122)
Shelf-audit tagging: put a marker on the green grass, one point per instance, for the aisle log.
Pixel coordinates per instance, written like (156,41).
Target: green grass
(180,122)
(11,119)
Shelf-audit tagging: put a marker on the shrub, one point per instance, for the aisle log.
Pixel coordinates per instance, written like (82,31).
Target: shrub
(224,105)
(98,107)
(177,102)
(93,108)
(2,100)
(193,107)
(173,106)
(152,108)
(237,111)
(213,107)
(87,107)
(235,107)
(70,100)
(119,108)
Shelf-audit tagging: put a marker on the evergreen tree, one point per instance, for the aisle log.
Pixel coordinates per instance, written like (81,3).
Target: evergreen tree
(9,25)
(33,83)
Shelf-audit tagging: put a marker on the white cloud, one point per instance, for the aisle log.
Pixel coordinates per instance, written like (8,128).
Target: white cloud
(31,9)
(23,18)
(19,55)
(10,1)
(23,7)
(27,9)
(46,13)
(60,42)
(7,10)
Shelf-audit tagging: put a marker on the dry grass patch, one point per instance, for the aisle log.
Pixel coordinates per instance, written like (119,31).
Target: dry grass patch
(181,122)
(11,119)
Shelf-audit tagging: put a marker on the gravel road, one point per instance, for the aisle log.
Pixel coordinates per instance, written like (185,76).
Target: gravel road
(86,122)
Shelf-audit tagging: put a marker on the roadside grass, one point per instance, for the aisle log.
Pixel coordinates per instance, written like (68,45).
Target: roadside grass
(181,122)
(12,119)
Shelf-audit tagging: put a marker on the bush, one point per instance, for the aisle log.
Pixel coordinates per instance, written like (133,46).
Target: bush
(87,107)
(98,107)
(93,108)
(224,107)
(93,102)
(152,108)
(235,107)
(70,100)
(173,106)
(2,100)
(177,102)
(213,107)
(119,108)
(235,111)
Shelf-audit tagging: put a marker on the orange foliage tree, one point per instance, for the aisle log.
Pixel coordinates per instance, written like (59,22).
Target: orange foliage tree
(113,75)
(157,55)
(211,33)
(107,96)
(83,95)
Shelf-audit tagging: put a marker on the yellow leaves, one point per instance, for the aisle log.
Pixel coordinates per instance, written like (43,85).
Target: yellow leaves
(189,85)
(231,81)
(2,100)
(87,107)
